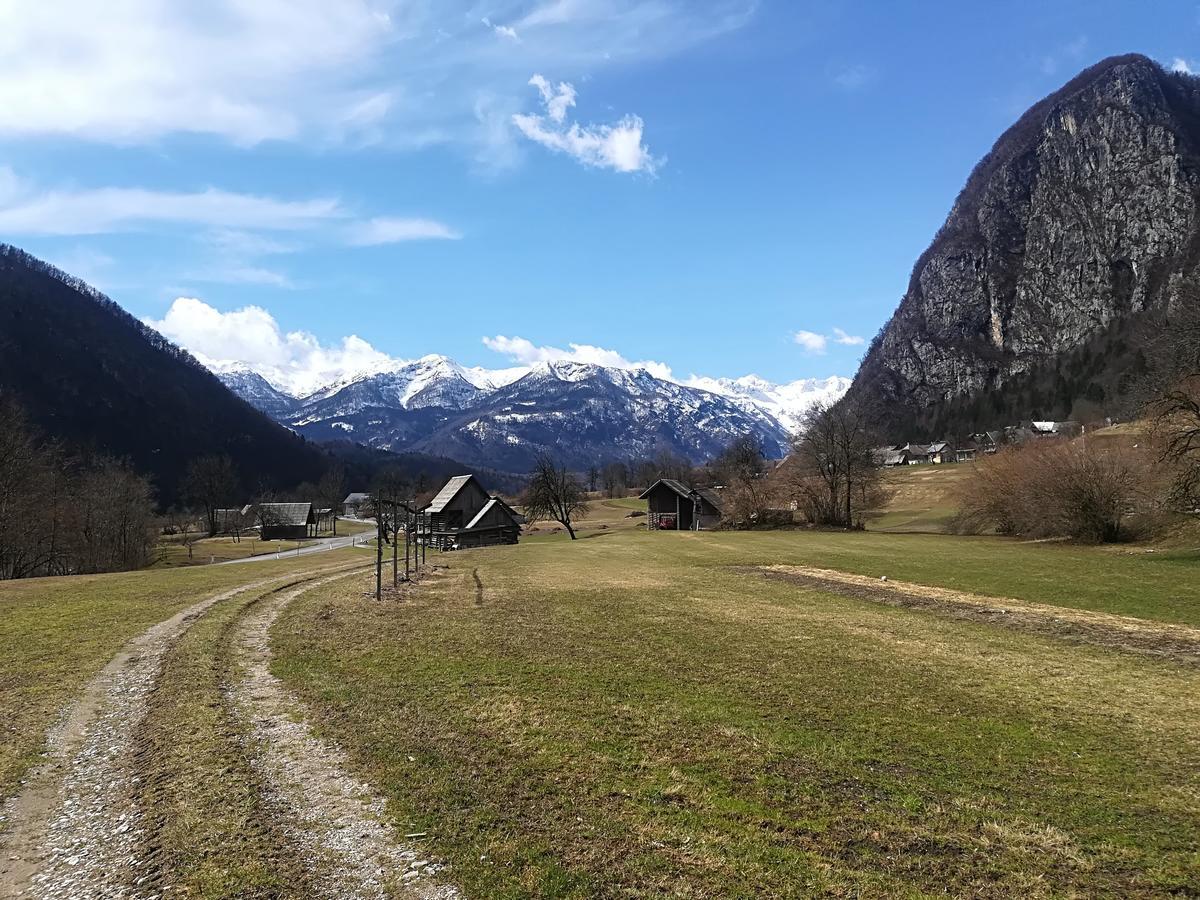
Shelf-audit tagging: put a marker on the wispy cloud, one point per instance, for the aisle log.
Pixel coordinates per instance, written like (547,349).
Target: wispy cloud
(235,220)
(391,230)
(408,72)
(851,78)
(1181,65)
(618,147)
(1070,54)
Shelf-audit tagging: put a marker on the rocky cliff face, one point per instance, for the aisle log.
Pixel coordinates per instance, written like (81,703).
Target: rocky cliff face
(1084,215)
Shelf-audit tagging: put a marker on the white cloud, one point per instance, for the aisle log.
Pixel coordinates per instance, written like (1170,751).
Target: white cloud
(294,361)
(527,353)
(1181,65)
(390,230)
(811,341)
(618,147)
(247,71)
(850,340)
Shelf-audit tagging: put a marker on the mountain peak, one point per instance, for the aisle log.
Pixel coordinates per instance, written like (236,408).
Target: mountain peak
(1082,217)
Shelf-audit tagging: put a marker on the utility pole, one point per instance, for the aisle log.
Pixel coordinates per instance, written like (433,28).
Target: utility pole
(379,532)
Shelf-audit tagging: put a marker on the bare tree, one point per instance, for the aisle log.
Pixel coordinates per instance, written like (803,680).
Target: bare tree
(832,465)
(593,477)
(741,468)
(554,494)
(330,491)
(211,483)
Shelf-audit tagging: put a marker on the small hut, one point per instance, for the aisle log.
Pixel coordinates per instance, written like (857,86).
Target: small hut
(286,521)
(673,506)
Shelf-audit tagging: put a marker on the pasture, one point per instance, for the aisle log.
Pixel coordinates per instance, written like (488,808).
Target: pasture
(636,714)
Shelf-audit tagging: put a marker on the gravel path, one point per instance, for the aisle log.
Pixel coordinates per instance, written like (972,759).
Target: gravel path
(339,823)
(74,828)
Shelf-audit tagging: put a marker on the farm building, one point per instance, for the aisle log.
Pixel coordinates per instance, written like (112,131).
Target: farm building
(234,521)
(673,506)
(355,502)
(286,521)
(463,514)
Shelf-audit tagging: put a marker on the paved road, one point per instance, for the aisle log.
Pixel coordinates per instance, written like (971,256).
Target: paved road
(289,550)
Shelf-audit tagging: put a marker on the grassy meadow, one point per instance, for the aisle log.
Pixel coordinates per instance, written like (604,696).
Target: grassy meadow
(637,714)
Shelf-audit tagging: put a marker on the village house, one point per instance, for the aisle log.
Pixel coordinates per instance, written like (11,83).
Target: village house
(234,521)
(463,514)
(355,503)
(673,506)
(286,521)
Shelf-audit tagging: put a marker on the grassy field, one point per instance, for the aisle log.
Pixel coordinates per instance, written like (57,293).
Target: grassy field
(56,633)
(920,498)
(637,715)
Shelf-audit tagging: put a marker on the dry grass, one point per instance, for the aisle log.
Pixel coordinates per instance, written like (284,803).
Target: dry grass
(635,717)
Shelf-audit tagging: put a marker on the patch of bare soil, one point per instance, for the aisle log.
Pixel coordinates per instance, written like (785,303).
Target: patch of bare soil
(74,828)
(1180,643)
(338,822)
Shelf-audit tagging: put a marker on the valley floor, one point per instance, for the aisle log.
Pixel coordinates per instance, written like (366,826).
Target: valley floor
(630,714)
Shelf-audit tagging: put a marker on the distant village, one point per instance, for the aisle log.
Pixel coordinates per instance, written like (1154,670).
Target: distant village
(975,445)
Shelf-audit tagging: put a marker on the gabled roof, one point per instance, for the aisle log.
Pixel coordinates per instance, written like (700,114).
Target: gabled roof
(448,493)
(494,503)
(357,497)
(709,494)
(677,486)
(938,446)
(285,513)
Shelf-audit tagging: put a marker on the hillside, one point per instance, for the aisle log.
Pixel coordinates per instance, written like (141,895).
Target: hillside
(1081,223)
(90,375)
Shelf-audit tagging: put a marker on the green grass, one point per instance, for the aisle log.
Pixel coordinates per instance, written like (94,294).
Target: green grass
(633,717)
(57,633)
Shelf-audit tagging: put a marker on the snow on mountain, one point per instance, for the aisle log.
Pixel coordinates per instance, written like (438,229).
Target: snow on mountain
(785,403)
(501,417)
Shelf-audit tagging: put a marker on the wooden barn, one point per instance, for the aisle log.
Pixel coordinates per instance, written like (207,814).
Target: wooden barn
(673,506)
(463,514)
(356,502)
(286,521)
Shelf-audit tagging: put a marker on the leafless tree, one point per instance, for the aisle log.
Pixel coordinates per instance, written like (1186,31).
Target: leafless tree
(211,483)
(832,465)
(330,491)
(593,477)
(554,494)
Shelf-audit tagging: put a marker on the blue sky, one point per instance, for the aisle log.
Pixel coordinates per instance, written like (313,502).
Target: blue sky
(688,182)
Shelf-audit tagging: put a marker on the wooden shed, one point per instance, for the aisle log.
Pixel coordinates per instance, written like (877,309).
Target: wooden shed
(463,514)
(673,506)
(286,521)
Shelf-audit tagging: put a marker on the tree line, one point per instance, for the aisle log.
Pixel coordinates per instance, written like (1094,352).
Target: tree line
(65,514)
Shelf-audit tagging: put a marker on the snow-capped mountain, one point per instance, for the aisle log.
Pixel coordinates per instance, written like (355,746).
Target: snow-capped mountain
(259,392)
(786,403)
(501,418)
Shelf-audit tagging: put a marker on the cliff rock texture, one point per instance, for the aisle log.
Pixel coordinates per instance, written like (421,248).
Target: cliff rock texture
(1082,218)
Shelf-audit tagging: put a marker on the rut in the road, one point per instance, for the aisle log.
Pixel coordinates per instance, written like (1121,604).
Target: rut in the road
(74,829)
(338,821)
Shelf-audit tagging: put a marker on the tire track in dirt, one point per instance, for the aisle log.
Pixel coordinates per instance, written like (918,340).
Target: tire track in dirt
(74,829)
(1165,640)
(338,821)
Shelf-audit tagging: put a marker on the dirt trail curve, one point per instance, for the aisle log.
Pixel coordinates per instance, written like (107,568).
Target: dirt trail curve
(338,821)
(73,830)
